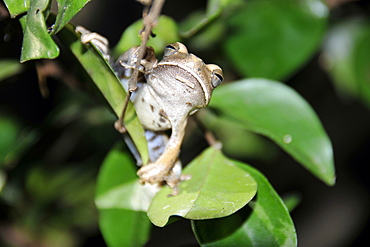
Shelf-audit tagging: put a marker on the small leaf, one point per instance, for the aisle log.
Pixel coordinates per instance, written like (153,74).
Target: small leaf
(108,84)
(268,223)
(17,7)
(217,188)
(9,67)
(346,58)
(166,33)
(67,9)
(37,43)
(120,226)
(9,131)
(273,38)
(292,200)
(15,141)
(279,113)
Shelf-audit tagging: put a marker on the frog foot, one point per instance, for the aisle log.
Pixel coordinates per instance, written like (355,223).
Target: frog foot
(153,173)
(156,173)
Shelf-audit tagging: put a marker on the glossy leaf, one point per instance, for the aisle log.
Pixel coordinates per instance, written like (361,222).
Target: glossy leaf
(279,113)
(124,228)
(129,195)
(346,58)
(273,38)
(120,226)
(9,67)
(67,9)
(17,7)
(166,33)
(116,169)
(265,223)
(37,42)
(108,84)
(217,188)
(236,140)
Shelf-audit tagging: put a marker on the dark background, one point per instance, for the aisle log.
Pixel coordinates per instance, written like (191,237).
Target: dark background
(327,216)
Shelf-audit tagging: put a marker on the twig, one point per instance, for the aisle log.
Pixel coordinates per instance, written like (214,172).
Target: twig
(208,135)
(150,17)
(50,68)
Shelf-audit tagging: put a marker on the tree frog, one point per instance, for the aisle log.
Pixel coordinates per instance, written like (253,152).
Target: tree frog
(168,92)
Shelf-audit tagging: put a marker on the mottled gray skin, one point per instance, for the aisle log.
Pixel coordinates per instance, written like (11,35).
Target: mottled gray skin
(168,92)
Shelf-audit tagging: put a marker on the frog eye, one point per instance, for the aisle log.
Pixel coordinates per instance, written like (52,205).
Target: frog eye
(174,48)
(217,76)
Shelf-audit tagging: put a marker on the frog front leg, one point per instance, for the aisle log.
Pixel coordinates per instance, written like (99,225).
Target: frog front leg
(100,42)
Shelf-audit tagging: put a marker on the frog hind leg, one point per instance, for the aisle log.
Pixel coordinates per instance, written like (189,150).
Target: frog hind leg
(164,169)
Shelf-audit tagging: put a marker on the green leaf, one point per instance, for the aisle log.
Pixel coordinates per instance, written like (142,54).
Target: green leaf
(124,228)
(116,169)
(118,184)
(217,188)
(236,140)
(14,140)
(268,223)
(210,35)
(9,131)
(9,67)
(273,38)
(166,33)
(108,84)
(17,7)
(67,9)
(346,58)
(292,200)
(216,6)
(45,185)
(129,195)
(120,226)
(276,111)
(199,20)
(37,43)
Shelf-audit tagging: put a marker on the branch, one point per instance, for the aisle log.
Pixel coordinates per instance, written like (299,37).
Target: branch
(151,13)
(150,20)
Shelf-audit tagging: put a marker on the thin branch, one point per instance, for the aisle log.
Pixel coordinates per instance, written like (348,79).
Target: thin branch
(150,21)
(151,14)
(50,68)
(208,135)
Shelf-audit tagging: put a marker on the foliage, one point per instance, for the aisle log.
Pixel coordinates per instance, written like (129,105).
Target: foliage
(277,36)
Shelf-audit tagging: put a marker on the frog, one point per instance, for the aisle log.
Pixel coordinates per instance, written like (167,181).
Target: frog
(168,92)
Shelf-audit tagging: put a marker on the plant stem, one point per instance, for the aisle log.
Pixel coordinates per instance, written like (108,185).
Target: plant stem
(150,18)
